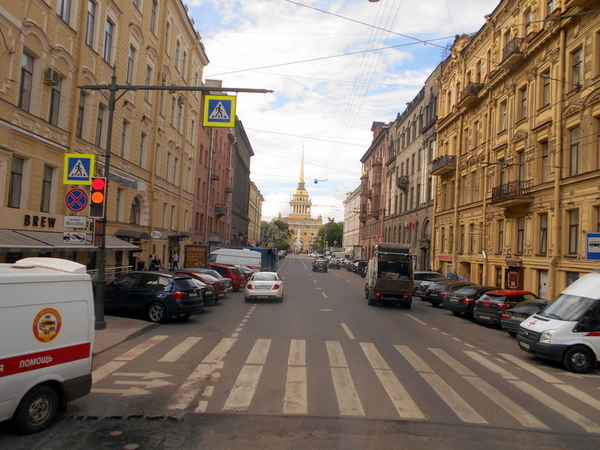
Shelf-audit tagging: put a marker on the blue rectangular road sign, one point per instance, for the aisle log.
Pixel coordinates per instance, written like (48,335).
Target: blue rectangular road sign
(593,246)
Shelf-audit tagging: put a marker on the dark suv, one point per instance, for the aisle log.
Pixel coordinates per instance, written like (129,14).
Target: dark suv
(319,265)
(437,291)
(158,296)
(463,300)
(490,306)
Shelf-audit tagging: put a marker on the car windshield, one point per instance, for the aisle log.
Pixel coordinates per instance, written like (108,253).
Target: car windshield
(467,290)
(265,277)
(568,307)
(214,273)
(185,283)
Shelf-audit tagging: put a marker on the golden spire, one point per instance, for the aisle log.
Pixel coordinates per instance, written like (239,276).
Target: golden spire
(301,182)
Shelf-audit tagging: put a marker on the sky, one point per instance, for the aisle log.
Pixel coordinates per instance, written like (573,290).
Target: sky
(335,68)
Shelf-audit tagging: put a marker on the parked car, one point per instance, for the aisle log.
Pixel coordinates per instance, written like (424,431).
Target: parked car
(422,275)
(361,268)
(213,273)
(264,285)
(490,306)
(335,263)
(238,280)
(246,271)
(463,300)
(208,292)
(437,291)
(357,265)
(512,317)
(157,296)
(319,265)
(216,287)
(421,289)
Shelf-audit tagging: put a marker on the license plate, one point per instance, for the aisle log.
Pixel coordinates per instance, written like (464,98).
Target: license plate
(524,345)
(485,317)
(193,294)
(518,319)
(454,300)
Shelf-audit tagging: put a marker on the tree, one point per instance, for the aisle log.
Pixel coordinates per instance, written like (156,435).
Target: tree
(275,234)
(331,235)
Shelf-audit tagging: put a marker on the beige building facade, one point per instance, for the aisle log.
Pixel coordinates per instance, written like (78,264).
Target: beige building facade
(518,155)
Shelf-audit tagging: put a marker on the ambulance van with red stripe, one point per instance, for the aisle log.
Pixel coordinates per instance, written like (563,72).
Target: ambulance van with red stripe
(46,339)
(568,328)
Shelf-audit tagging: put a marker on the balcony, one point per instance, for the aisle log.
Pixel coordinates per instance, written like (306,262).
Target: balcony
(512,54)
(220,210)
(512,194)
(469,94)
(443,164)
(402,182)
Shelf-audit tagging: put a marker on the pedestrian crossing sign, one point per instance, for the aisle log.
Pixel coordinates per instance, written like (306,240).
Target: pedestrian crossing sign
(219,111)
(78,168)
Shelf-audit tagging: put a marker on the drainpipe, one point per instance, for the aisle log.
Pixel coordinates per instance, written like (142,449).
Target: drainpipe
(558,152)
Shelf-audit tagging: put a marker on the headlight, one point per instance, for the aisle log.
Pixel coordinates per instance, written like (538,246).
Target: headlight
(546,336)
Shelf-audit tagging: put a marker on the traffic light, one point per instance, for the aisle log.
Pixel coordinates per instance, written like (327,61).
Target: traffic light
(98,197)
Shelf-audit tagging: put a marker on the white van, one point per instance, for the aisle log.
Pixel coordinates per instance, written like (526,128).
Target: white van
(46,339)
(245,257)
(568,329)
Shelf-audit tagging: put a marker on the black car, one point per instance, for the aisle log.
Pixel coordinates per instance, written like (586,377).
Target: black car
(421,288)
(437,291)
(335,263)
(511,318)
(319,265)
(491,305)
(425,275)
(209,298)
(157,296)
(463,300)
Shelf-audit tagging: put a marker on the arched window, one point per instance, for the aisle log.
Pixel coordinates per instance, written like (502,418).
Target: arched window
(134,216)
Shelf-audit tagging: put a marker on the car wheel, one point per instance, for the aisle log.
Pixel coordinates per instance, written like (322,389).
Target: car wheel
(578,359)
(37,410)
(157,313)
(435,303)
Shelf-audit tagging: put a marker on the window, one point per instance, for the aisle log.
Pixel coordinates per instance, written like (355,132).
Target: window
(549,7)
(577,68)
(173,103)
(26,81)
(461,243)
(168,38)
(134,214)
(124,138)
(148,82)
(543,249)
(527,22)
(99,139)
(46,189)
(108,40)
(474,197)
(53,114)
(130,64)
(177,51)
(545,97)
(503,116)
(521,156)
(573,232)
(520,235)
(64,10)
(153,16)
(472,238)
(574,151)
(500,242)
(184,65)
(523,102)
(16,182)
(143,141)
(80,114)
(136,3)
(91,18)
(545,162)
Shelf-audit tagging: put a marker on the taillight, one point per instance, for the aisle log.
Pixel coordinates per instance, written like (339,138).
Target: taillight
(477,303)
(249,286)
(469,300)
(276,286)
(505,316)
(180,295)
(501,306)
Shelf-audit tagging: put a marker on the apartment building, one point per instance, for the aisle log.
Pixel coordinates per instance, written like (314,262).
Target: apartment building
(408,183)
(518,161)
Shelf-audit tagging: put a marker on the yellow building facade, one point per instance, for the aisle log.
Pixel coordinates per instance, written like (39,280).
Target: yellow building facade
(49,50)
(518,154)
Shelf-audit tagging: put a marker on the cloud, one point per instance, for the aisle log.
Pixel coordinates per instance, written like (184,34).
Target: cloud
(336,67)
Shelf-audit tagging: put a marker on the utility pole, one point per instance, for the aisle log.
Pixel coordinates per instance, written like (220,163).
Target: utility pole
(113,87)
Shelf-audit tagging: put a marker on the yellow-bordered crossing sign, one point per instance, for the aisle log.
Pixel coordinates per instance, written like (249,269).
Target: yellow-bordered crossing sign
(219,111)
(78,168)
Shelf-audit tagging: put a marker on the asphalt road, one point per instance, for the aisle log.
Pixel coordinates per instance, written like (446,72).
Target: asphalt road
(322,369)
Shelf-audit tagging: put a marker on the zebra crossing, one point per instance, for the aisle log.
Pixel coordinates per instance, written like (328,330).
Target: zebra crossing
(440,375)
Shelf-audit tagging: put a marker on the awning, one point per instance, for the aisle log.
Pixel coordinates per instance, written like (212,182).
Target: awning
(24,240)
(132,234)
(11,240)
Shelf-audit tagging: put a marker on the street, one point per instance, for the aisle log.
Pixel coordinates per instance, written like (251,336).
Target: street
(322,369)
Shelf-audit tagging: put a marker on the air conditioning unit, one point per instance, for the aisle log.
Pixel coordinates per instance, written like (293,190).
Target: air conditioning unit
(180,100)
(52,76)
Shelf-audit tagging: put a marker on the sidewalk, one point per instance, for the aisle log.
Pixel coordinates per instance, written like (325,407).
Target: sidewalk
(119,329)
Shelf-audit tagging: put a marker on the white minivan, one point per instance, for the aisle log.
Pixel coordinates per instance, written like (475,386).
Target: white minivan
(568,328)
(231,256)
(46,339)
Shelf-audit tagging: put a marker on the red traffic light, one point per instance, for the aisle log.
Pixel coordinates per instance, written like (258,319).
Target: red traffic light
(98,197)
(98,184)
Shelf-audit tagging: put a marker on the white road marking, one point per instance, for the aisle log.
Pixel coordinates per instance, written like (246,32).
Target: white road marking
(258,354)
(105,370)
(139,349)
(297,355)
(336,355)
(347,397)
(491,366)
(296,397)
(347,330)
(179,350)
(243,390)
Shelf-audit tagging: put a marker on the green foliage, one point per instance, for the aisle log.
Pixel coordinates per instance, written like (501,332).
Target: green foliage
(331,235)
(275,234)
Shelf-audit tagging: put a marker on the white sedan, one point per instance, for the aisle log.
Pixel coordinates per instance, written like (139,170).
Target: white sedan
(264,285)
